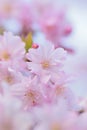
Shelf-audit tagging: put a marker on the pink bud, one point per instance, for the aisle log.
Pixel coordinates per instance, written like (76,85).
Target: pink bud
(35,46)
(68,30)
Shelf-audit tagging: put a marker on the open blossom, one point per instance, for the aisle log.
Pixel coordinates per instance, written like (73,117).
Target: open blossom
(54,117)
(11,115)
(54,25)
(45,60)
(11,49)
(30,92)
(10,76)
(58,89)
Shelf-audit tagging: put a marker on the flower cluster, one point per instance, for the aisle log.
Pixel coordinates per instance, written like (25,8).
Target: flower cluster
(35,87)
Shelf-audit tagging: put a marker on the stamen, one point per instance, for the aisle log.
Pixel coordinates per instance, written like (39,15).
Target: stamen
(6,56)
(55,126)
(45,65)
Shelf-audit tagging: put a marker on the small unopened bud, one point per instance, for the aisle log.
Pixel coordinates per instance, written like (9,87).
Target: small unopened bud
(68,30)
(35,46)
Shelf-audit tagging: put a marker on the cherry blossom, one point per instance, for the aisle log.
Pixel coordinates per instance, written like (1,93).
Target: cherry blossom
(49,60)
(12,50)
(11,116)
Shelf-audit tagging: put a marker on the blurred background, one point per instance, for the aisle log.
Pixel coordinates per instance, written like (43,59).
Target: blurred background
(69,30)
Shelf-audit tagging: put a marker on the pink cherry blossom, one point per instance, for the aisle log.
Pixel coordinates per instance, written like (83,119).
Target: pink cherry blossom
(11,116)
(55,26)
(11,50)
(45,60)
(58,89)
(30,92)
(10,76)
(54,117)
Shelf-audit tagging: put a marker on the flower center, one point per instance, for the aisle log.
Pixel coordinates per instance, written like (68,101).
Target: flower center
(7,125)
(6,56)
(45,65)
(59,90)
(31,96)
(55,126)
(9,79)
(7,8)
